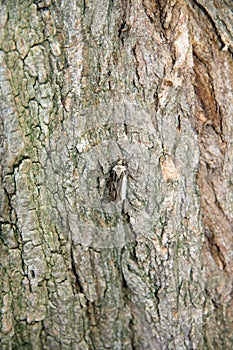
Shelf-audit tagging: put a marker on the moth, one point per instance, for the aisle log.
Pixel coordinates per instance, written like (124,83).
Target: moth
(117,182)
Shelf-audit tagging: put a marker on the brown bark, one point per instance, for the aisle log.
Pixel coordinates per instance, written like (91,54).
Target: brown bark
(87,85)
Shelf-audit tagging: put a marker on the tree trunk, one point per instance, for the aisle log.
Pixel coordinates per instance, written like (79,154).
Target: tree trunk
(116,165)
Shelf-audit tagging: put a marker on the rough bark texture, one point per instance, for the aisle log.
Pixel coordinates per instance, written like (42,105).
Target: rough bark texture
(83,85)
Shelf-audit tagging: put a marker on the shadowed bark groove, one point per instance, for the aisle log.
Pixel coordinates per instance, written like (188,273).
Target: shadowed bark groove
(127,96)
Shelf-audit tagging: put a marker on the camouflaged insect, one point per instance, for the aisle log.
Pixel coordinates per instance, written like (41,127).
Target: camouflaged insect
(118,188)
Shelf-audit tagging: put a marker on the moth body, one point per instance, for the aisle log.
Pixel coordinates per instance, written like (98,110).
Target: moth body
(120,181)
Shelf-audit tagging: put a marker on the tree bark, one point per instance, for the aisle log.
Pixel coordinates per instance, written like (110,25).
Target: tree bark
(116,166)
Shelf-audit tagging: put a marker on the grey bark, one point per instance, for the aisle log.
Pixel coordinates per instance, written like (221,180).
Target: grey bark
(87,85)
